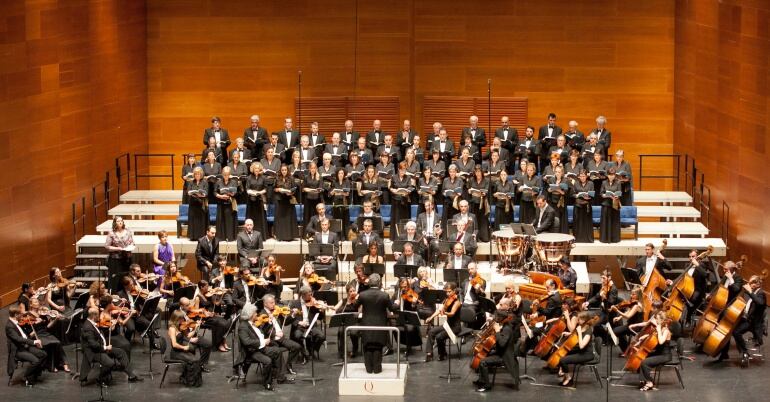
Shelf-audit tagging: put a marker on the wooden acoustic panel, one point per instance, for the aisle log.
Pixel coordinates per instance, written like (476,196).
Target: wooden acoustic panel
(454,112)
(331,112)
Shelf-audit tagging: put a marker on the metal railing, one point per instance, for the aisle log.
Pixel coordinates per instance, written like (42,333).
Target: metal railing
(674,176)
(137,175)
(704,204)
(123,175)
(78,219)
(105,202)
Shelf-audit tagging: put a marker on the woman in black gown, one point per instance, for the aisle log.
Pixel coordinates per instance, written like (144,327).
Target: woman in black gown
(369,187)
(211,169)
(583,224)
(285,227)
(558,192)
(452,188)
(427,188)
(599,169)
(385,172)
(609,226)
(502,191)
(529,188)
(256,194)
(401,187)
(478,189)
(198,212)
(227,208)
(339,194)
(312,191)
(355,169)
(45,323)
(187,176)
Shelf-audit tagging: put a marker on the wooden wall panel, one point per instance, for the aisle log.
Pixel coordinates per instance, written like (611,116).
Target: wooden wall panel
(73,97)
(454,112)
(722,114)
(331,112)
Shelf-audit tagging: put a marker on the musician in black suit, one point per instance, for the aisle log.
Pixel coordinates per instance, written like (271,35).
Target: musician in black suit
(206,252)
(375,305)
(248,241)
(304,309)
(408,257)
(26,349)
(603,136)
(733,280)
(467,216)
(213,148)
(506,336)
(477,133)
(306,151)
(405,138)
(316,139)
(470,293)
(697,270)
(348,136)
(753,317)
(375,137)
(547,135)
(651,259)
(243,153)
(567,274)
(220,135)
(390,149)
(367,236)
(257,347)
(326,264)
(575,137)
(462,234)
(552,308)
(545,219)
(314,224)
(289,138)
(338,153)
(458,259)
(243,293)
(97,350)
(444,146)
(255,138)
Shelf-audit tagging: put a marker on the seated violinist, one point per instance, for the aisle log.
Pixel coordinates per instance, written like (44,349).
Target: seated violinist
(27,349)
(503,352)
(95,293)
(361,281)
(304,312)
(438,335)
(470,291)
(135,301)
(278,337)
(203,344)
(308,277)
(211,320)
(217,287)
(99,349)
(121,322)
(184,340)
(407,299)
(256,347)
(248,288)
(422,282)
(272,275)
(632,311)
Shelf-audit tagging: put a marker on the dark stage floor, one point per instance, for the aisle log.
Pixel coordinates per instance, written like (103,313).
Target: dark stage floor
(705,381)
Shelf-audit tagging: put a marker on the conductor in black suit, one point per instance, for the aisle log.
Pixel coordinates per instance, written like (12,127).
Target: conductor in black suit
(246,241)
(220,135)
(545,219)
(375,306)
(207,251)
(651,259)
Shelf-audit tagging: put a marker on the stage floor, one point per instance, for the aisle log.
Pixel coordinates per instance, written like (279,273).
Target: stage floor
(705,381)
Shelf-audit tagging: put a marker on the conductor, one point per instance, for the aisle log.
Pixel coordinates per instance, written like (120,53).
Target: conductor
(375,304)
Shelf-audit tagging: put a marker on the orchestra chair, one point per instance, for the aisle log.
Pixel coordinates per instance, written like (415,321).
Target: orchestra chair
(183,218)
(593,364)
(353,212)
(675,362)
(259,367)
(467,318)
(13,362)
(166,359)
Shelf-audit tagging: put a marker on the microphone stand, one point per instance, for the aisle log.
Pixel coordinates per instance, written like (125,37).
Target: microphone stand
(299,103)
(489,111)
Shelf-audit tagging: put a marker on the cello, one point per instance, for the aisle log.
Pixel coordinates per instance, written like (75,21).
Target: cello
(719,337)
(682,290)
(570,342)
(547,343)
(710,317)
(485,342)
(644,343)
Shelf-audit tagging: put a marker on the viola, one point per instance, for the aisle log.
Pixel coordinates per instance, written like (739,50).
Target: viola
(477,281)
(188,326)
(28,319)
(315,279)
(409,295)
(106,322)
(198,313)
(568,344)
(547,343)
(623,305)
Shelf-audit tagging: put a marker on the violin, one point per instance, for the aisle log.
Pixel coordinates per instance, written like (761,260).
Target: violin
(148,277)
(409,295)
(198,313)
(252,280)
(477,281)
(179,278)
(106,322)
(275,268)
(28,318)
(569,343)
(229,270)
(425,284)
(261,319)
(281,310)
(315,303)
(189,326)
(315,279)
(450,301)
(138,292)
(121,311)
(217,292)
(623,305)
(51,314)
(66,283)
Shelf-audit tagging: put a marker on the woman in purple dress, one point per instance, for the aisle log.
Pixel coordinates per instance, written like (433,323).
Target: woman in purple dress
(162,253)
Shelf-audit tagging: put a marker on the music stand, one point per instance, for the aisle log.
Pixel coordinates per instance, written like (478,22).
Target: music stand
(528,229)
(404,318)
(319,249)
(341,321)
(433,296)
(487,305)
(375,269)
(187,291)
(312,377)
(405,271)
(330,297)
(360,249)
(150,348)
(335,225)
(630,277)
(458,276)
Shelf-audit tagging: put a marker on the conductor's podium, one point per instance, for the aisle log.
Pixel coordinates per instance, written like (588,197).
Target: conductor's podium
(359,382)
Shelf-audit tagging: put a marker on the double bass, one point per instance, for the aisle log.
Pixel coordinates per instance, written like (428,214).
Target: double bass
(655,285)
(682,290)
(569,343)
(710,318)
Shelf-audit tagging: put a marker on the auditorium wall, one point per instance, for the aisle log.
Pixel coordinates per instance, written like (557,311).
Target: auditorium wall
(576,58)
(72,97)
(722,114)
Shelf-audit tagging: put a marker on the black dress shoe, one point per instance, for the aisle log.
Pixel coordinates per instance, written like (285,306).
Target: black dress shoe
(388,351)
(269,387)
(304,360)
(428,357)
(135,379)
(745,360)
(155,346)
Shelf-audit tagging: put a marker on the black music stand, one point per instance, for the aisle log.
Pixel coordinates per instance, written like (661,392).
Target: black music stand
(404,318)
(312,377)
(458,276)
(335,225)
(487,305)
(405,271)
(433,296)
(630,277)
(150,350)
(342,321)
(375,269)
(330,297)
(360,250)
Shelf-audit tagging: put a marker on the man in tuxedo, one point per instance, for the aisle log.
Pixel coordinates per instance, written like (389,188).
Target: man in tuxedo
(349,137)
(206,252)
(375,305)
(465,215)
(255,137)
(27,350)
(326,264)
(275,145)
(603,136)
(220,135)
(458,259)
(375,137)
(259,348)
(301,320)
(470,294)
(547,135)
(248,242)
(753,317)
(444,146)
(367,236)
(243,152)
(477,133)
(528,147)
(391,150)
(409,257)
(289,138)
(651,259)
(212,147)
(279,337)
(97,350)
(502,152)
(405,139)
(316,139)
(363,152)
(509,136)
(433,136)
(244,294)
(697,270)
(314,225)
(545,219)
(307,152)
(337,151)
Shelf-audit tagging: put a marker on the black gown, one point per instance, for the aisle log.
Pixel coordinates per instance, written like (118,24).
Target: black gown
(609,226)
(340,204)
(583,225)
(400,207)
(285,226)
(449,209)
(198,213)
(479,206)
(597,179)
(527,210)
(559,203)
(431,183)
(311,199)
(255,205)
(212,170)
(187,171)
(227,218)
(503,217)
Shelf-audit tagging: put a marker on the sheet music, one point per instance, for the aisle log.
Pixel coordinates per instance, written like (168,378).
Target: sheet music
(309,327)
(448,329)
(612,334)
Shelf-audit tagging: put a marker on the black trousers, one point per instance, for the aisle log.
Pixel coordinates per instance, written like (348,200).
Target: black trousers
(294,349)
(314,340)
(741,328)
(484,366)
(648,364)
(437,336)
(373,358)
(271,359)
(576,358)
(218,327)
(35,357)
(115,359)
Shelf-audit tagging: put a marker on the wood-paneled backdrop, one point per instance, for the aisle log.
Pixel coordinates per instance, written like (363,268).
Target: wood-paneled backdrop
(72,97)
(722,113)
(577,58)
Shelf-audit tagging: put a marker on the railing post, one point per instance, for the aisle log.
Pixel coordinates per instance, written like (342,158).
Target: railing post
(641,175)
(725,222)
(172,172)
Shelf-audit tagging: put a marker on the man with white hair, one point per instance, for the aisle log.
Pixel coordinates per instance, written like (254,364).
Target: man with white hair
(307,152)
(255,137)
(257,347)
(575,137)
(241,150)
(590,148)
(433,136)
(337,151)
(464,214)
(477,133)
(603,136)
(349,137)
(249,244)
(462,234)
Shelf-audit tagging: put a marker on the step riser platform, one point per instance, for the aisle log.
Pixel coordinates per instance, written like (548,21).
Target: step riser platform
(360,383)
